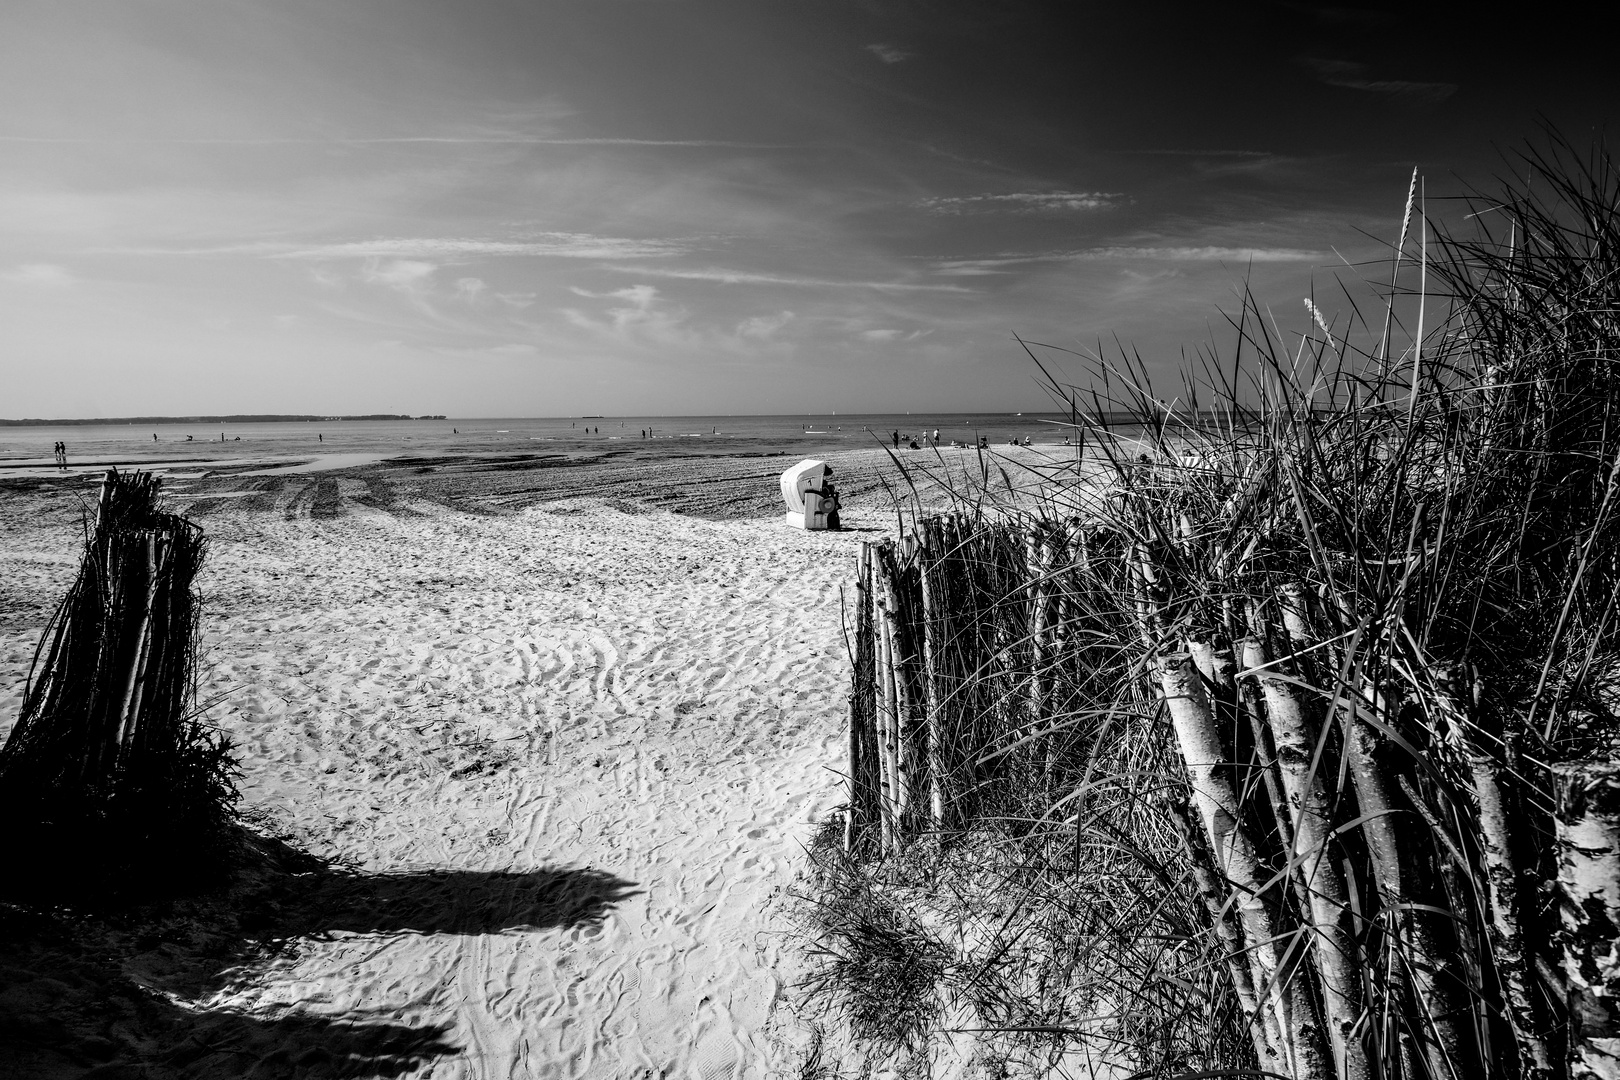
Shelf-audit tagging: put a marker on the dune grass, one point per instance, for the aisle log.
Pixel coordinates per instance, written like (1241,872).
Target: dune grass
(1234,735)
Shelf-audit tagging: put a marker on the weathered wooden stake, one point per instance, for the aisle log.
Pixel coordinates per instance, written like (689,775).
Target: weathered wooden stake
(907,752)
(1388,827)
(1497,803)
(1325,894)
(928,566)
(1217,897)
(1291,1032)
(887,712)
(860,770)
(1588,837)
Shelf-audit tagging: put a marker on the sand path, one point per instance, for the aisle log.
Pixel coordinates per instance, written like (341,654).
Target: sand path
(647,704)
(569,756)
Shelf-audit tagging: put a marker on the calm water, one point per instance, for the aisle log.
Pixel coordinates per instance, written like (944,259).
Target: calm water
(99,444)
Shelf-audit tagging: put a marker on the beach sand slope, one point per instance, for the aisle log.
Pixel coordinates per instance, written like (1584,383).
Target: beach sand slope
(562,763)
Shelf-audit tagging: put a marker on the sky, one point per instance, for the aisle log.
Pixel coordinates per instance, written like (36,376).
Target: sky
(655,207)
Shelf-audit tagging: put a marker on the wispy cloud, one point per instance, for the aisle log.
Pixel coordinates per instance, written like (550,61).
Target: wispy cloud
(640,313)
(890,54)
(1202,254)
(1203,153)
(46,275)
(406,275)
(1002,264)
(888,333)
(550,245)
(763,326)
(547,245)
(325,278)
(1354,76)
(454,140)
(1024,202)
(746,277)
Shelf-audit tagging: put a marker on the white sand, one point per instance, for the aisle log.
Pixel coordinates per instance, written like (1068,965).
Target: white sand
(656,698)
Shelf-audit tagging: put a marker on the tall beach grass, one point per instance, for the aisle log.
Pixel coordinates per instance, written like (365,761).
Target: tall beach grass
(1252,736)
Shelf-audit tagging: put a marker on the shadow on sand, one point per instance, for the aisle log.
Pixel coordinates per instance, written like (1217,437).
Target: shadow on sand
(442,902)
(108,992)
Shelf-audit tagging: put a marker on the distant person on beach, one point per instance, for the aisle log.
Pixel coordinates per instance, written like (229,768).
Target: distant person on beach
(154,436)
(319,437)
(895,435)
(936,436)
(61,456)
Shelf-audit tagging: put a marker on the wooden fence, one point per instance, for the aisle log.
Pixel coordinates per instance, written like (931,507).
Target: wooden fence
(1367,854)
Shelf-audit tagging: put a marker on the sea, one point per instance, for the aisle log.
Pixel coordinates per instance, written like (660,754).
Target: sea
(180,442)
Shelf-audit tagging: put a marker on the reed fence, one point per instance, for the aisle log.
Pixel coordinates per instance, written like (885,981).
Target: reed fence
(108,774)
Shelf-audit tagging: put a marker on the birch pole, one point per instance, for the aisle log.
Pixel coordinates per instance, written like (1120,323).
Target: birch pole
(900,661)
(1217,896)
(1588,837)
(1497,804)
(888,727)
(1290,1036)
(928,568)
(1426,933)
(1326,895)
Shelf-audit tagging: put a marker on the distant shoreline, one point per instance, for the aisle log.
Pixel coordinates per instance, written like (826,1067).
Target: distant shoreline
(235,418)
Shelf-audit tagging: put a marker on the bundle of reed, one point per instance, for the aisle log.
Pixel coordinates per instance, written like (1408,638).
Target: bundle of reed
(107,759)
(1285,715)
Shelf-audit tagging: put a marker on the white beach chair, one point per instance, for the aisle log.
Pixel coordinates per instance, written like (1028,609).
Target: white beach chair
(808,492)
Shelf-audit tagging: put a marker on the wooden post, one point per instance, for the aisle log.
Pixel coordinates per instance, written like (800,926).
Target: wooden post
(928,565)
(1588,836)
(1325,893)
(1498,806)
(860,770)
(888,714)
(1291,1036)
(1427,944)
(1138,570)
(901,661)
(1035,590)
(1217,896)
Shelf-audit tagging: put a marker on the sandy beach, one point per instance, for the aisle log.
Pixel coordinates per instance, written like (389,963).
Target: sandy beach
(532,759)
